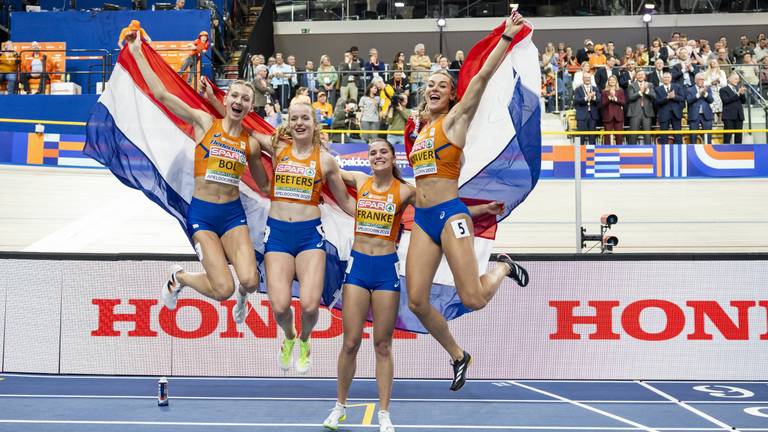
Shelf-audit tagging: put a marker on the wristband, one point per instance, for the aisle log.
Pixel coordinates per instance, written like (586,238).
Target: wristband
(506,38)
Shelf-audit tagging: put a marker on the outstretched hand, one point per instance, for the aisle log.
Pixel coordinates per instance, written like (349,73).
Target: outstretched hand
(494,208)
(134,42)
(514,24)
(205,88)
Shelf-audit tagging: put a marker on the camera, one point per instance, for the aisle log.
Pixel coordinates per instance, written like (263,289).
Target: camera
(607,242)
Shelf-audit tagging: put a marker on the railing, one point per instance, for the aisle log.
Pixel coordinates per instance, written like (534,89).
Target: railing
(103,65)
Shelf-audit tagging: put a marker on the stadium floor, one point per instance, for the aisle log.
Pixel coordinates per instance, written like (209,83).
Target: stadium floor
(83,403)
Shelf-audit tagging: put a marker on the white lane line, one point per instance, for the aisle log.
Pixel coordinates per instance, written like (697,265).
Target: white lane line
(586,407)
(307,425)
(699,413)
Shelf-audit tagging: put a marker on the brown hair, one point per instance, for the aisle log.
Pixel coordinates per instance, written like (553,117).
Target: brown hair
(395,169)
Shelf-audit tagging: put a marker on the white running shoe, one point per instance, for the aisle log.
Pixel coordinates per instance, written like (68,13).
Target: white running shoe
(172,289)
(385,424)
(338,414)
(241,307)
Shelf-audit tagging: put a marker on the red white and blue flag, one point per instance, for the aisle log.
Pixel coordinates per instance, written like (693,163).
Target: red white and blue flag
(150,149)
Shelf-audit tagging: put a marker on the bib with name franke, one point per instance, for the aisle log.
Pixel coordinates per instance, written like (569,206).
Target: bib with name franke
(220,157)
(378,214)
(432,155)
(297,180)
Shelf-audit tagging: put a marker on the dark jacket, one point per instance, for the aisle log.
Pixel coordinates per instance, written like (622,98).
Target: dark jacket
(697,103)
(666,109)
(586,109)
(732,104)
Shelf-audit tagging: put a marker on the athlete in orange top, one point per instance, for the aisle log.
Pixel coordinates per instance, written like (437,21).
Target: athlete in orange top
(442,222)
(372,279)
(216,221)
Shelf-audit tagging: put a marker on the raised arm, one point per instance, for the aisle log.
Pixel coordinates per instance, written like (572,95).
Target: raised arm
(494,208)
(256,167)
(336,184)
(352,178)
(458,119)
(200,120)
(207,90)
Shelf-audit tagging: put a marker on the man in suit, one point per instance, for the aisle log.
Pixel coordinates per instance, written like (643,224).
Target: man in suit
(683,71)
(640,98)
(603,73)
(654,77)
(586,99)
(627,75)
(733,97)
(699,111)
(669,106)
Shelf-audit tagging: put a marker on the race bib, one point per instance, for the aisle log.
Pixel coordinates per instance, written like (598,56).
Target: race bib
(422,157)
(295,181)
(225,164)
(375,217)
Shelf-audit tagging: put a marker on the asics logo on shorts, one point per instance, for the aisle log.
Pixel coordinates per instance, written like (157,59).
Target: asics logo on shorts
(442,215)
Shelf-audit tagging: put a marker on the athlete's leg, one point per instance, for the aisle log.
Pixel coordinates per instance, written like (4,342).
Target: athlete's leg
(310,271)
(280,270)
(216,282)
(458,241)
(420,268)
(385,305)
(357,301)
(239,250)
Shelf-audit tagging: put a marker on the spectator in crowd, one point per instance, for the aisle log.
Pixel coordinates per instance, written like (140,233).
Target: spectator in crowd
(199,46)
(456,64)
(302,97)
(715,79)
(400,84)
(441,64)
(349,76)
(274,117)
(279,76)
(734,98)
(598,58)
(700,113)
(398,63)
(725,62)
(373,67)
(629,54)
(369,109)
(355,53)
(640,100)
(627,75)
(764,77)
(578,77)
(683,70)
(386,93)
(271,61)
(397,116)
(749,70)
(582,55)
(345,116)
(250,69)
(549,58)
(323,109)
(8,61)
(586,99)
(670,98)
(264,91)
(308,79)
(743,48)
(572,64)
(610,49)
(38,66)
(612,105)
(548,93)
(130,32)
(603,73)
(705,53)
(179,5)
(420,65)
(293,78)
(761,51)
(328,78)
(658,51)
(656,76)
(641,55)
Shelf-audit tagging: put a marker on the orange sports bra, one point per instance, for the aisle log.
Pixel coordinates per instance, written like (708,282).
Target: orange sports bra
(433,156)
(220,157)
(378,214)
(297,180)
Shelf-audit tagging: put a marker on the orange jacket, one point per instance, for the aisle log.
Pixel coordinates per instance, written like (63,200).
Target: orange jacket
(26,65)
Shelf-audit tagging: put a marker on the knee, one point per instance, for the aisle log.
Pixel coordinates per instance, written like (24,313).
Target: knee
(418,307)
(383,347)
(309,307)
(351,346)
(280,309)
(473,301)
(222,288)
(250,284)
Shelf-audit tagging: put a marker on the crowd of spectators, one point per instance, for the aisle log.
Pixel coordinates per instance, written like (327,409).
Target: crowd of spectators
(355,94)
(675,81)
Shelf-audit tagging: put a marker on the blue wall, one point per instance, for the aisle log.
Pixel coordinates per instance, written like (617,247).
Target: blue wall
(57,5)
(100,30)
(46,107)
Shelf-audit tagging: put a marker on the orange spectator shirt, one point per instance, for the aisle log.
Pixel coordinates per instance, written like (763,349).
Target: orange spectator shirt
(220,157)
(378,214)
(297,180)
(433,156)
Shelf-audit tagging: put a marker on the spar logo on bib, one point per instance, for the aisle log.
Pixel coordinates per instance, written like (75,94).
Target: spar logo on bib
(375,217)
(423,157)
(295,181)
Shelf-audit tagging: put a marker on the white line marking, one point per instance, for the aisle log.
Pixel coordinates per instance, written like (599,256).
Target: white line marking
(701,414)
(587,407)
(312,425)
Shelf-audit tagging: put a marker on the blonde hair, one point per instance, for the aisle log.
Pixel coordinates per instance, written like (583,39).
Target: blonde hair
(246,84)
(284,130)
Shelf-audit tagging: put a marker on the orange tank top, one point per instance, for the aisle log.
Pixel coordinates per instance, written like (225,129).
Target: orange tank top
(297,180)
(378,214)
(433,155)
(220,157)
